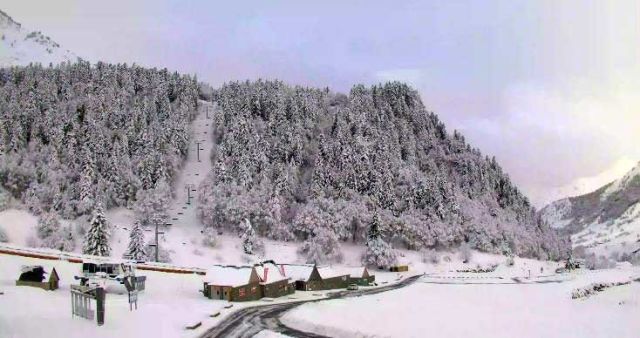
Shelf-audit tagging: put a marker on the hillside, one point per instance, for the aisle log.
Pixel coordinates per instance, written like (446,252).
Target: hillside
(75,135)
(21,46)
(606,220)
(304,163)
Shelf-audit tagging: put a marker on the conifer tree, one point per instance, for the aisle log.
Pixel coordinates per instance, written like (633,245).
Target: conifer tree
(378,253)
(136,249)
(251,244)
(96,241)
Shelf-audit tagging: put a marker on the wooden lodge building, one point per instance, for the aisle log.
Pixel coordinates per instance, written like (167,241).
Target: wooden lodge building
(268,279)
(360,276)
(305,277)
(272,280)
(246,283)
(309,277)
(232,283)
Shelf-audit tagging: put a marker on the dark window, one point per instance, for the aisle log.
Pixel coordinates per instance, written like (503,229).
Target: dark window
(89,267)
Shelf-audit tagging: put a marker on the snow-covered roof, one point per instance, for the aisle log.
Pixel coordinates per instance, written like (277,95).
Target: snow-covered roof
(297,271)
(228,275)
(352,271)
(27,268)
(329,272)
(273,273)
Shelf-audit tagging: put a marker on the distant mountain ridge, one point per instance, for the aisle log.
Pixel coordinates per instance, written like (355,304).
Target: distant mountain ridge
(20,46)
(608,217)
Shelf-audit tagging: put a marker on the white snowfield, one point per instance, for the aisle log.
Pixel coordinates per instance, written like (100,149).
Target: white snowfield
(482,310)
(20,46)
(619,235)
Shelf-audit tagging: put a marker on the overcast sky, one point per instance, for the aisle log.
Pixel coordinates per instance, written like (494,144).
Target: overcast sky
(551,88)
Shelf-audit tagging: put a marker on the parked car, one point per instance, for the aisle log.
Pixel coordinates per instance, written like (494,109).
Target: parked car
(352,287)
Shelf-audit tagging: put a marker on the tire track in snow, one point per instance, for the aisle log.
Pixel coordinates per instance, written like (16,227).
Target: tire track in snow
(247,322)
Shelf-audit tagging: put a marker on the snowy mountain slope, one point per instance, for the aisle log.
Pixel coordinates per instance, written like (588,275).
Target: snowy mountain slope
(297,161)
(21,46)
(607,219)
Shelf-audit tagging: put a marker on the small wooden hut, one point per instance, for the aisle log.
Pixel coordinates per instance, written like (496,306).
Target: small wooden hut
(34,276)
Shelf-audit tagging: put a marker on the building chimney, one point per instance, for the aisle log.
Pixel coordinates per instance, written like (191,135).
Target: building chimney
(266,272)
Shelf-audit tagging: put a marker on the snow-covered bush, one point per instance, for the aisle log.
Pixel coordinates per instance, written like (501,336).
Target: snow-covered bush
(51,234)
(594,262)
(151,206)
(48,225)
(80,228)
(430,256)
(4,199)
(378,252)
(631,258)
(322,247)
(614,256)
(509,261)
(251,244)
(594,288)
(446,259)
(136,248)
(32,242)
(96,240)
(62,240)
(480,269)
(465,252)
(579,252)
(210,237)
(164,256)
(4,238)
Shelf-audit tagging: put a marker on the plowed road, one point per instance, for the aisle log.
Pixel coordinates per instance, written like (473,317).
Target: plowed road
(249,321)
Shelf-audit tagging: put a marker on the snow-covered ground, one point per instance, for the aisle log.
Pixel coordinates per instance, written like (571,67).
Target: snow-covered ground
(19,46)
(620,235)
(169,304)
(481,310)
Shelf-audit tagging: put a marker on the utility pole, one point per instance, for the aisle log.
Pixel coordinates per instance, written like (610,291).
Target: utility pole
(198,144)
(157,244)
(190,188)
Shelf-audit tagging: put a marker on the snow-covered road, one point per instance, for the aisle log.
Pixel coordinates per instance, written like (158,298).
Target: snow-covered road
(250,321)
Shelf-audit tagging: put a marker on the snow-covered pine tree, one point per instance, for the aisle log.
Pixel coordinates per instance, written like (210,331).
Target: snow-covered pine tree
(136,249)
(210,237)
(251,244)
(378,253)
(87,192)
(96,241)
(278,229)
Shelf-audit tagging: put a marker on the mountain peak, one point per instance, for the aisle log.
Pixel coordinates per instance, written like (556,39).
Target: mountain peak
(607,219)
(19,46)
